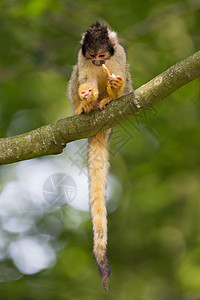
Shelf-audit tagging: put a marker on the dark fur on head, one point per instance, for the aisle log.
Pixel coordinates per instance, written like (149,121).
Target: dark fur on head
(96,38)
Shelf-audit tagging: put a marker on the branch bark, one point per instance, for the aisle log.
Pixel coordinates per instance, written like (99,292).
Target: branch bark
(52,138)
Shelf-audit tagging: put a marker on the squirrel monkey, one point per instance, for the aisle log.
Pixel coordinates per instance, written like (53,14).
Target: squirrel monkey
(100,76)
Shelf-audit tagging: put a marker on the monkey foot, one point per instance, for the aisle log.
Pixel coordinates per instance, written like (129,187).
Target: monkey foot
(104,102)
(84,107)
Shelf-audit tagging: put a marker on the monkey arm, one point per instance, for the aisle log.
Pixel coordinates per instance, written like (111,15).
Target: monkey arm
(115,83)
(114,89)
(88,89)
(115,86)
(88,93)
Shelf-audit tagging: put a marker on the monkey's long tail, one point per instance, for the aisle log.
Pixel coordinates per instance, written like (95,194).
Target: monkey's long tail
(98,164)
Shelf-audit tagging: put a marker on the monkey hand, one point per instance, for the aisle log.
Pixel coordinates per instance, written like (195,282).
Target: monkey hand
(115,84)
(86,94)
(114,89)
(88,97)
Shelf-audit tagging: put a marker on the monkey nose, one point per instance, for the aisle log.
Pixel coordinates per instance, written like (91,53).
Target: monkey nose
(98,63)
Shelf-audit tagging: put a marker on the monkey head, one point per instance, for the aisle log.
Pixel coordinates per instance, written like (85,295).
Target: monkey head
(98,44)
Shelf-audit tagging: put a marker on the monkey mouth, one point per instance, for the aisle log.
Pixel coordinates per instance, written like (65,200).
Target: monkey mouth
(98,63)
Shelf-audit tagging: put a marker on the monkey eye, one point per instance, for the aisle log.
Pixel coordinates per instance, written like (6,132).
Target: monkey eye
(92,55)
(101,55)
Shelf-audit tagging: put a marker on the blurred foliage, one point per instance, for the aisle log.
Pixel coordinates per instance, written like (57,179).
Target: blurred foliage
(154,229)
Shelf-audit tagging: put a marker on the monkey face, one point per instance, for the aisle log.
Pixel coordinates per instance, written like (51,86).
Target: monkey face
(97,58)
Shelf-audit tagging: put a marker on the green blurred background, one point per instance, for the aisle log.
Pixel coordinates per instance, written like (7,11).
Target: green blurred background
(154,190)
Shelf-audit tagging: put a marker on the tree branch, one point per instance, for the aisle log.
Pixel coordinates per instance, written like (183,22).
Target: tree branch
(51,139)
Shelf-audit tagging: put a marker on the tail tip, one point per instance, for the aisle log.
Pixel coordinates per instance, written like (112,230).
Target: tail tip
(104,280)
(104,270)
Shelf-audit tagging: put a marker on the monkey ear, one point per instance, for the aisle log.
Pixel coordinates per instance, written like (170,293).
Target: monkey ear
(82,38)
(113,36)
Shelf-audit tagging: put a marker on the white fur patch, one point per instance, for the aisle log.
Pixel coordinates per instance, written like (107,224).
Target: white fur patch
(82,38)
(113,36)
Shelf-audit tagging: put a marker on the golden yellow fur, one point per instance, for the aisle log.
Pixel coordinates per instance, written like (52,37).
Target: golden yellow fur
(91,88)
(98,164)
